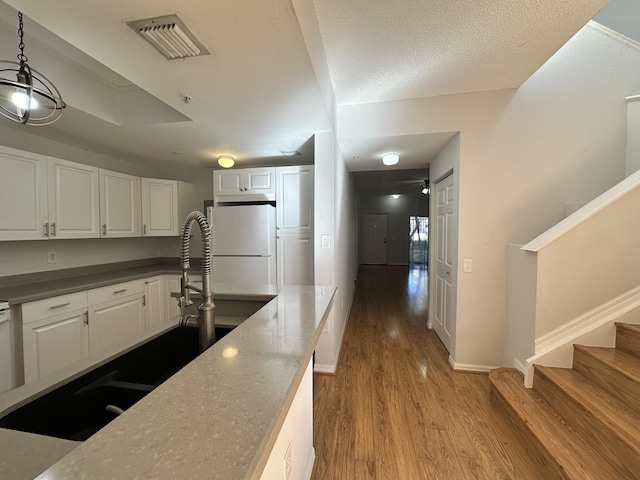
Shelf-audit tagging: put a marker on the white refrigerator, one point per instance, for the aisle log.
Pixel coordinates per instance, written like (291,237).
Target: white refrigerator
(243,243)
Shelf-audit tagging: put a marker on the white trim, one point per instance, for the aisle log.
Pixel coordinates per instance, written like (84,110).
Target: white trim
(632,98)
(521,367)
(310,463)
(569,333)
(590,209)
(470,367)
(601,315)
(613,34)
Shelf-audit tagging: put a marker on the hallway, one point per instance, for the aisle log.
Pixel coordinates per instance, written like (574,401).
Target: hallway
(395,409)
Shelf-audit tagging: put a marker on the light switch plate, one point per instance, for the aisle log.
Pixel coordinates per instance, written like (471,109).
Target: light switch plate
(325,240)
(467,265)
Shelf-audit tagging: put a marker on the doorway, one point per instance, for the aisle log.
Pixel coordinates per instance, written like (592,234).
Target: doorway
(418,241)
(375,239)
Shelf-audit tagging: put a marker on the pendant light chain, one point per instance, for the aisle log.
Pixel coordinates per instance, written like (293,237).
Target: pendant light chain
(21,56)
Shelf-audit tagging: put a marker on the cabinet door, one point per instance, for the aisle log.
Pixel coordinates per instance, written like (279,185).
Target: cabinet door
(117,323)
(295,259)
(53,343)
(119,205)
(154,302)
(259,180)
(73,200)
(294,204)
(23,195)
(159,208)
(227,182)
(171,309)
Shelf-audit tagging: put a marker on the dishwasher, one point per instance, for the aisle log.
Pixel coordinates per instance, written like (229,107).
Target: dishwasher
(6,350)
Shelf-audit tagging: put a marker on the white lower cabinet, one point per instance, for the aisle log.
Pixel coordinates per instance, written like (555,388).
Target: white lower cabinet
(153,302)
(54,333)
(172,311)
(59,331)
(116,315)
(295,259)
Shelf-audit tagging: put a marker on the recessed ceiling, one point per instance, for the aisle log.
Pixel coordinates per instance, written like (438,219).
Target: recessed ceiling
(256,94)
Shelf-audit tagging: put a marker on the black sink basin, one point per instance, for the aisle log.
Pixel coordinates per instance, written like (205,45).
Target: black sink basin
(80,408)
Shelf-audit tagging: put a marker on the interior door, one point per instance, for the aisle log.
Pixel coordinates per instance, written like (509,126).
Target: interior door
(445,260)
(375,239)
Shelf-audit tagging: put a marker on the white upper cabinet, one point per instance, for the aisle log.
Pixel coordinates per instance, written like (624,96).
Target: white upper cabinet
(160,208)
(235,185)
(294,203)
(23,195)
(74,209)
(120,206)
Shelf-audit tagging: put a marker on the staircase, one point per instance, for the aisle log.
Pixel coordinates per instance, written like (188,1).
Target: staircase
(583,422)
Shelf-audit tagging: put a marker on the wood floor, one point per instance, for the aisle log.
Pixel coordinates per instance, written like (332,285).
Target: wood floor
(395,409)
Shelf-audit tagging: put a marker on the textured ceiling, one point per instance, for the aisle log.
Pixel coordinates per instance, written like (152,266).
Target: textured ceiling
(257,94)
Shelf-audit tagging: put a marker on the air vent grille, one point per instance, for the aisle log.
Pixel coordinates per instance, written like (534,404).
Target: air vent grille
(170,36)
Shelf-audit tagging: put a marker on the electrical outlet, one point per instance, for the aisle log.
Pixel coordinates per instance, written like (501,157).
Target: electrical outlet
(325,241)
(287,463)
(52,257)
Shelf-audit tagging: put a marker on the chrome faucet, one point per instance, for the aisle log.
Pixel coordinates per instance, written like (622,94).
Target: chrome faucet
(205,320)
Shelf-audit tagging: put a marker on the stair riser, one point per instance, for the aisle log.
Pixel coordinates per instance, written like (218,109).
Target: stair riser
(541,457)
(628,341)
(615,383)
(591,428)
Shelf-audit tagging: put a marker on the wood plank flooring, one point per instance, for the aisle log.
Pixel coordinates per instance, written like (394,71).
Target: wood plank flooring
(395,409)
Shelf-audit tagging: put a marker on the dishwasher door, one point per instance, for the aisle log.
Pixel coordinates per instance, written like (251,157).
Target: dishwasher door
(6,350)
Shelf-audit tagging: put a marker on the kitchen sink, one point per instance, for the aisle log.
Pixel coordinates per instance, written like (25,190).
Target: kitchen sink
(80,408)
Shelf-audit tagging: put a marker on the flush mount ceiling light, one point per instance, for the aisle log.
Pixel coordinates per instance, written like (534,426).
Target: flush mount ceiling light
(170,36)
(395,196)
(27,96)
(390,158)
(226,161)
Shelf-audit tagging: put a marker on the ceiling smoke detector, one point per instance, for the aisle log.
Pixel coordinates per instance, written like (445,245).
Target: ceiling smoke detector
(170,36)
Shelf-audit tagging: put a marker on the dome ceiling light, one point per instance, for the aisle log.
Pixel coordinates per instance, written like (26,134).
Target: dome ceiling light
(390,158)
(27,96)
(226,161)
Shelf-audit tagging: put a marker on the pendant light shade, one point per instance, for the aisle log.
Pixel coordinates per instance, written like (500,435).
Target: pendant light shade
(27,96)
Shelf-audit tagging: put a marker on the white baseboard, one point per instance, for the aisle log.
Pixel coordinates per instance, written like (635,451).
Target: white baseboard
(470,367)
(317,368)
(597,325)
(310,463)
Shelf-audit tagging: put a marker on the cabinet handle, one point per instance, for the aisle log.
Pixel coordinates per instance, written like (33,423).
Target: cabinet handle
(144,229)
(46,229)
(53,229)
(86,318)
(104,229)
(144,300)
(59,306)
(120,291)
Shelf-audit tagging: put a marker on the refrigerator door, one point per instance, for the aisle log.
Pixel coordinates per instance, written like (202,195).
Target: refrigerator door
(243,230)
(251,270)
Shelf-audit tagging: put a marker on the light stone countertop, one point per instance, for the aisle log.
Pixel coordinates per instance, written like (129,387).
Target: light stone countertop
(217,418)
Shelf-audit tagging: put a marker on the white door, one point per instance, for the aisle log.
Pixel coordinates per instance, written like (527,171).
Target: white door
(444,260)
(116,323)
(295,259)
(375,239)
(74,201)
(159,208)
(55,342)
(119,205)
(294,199)
(23,195)
(153,302)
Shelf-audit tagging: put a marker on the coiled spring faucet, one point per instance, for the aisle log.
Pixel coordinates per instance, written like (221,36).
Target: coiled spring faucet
(205,320)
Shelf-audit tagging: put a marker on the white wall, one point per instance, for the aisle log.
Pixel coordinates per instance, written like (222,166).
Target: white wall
(398,211)
(633,136)
(524,154)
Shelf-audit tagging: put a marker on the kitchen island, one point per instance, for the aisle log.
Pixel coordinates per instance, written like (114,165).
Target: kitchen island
(217,418)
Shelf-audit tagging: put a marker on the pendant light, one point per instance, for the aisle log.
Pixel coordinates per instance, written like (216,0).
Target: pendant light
(27,96)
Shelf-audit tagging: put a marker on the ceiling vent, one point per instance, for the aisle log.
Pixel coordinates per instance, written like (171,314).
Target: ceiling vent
(170,36)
